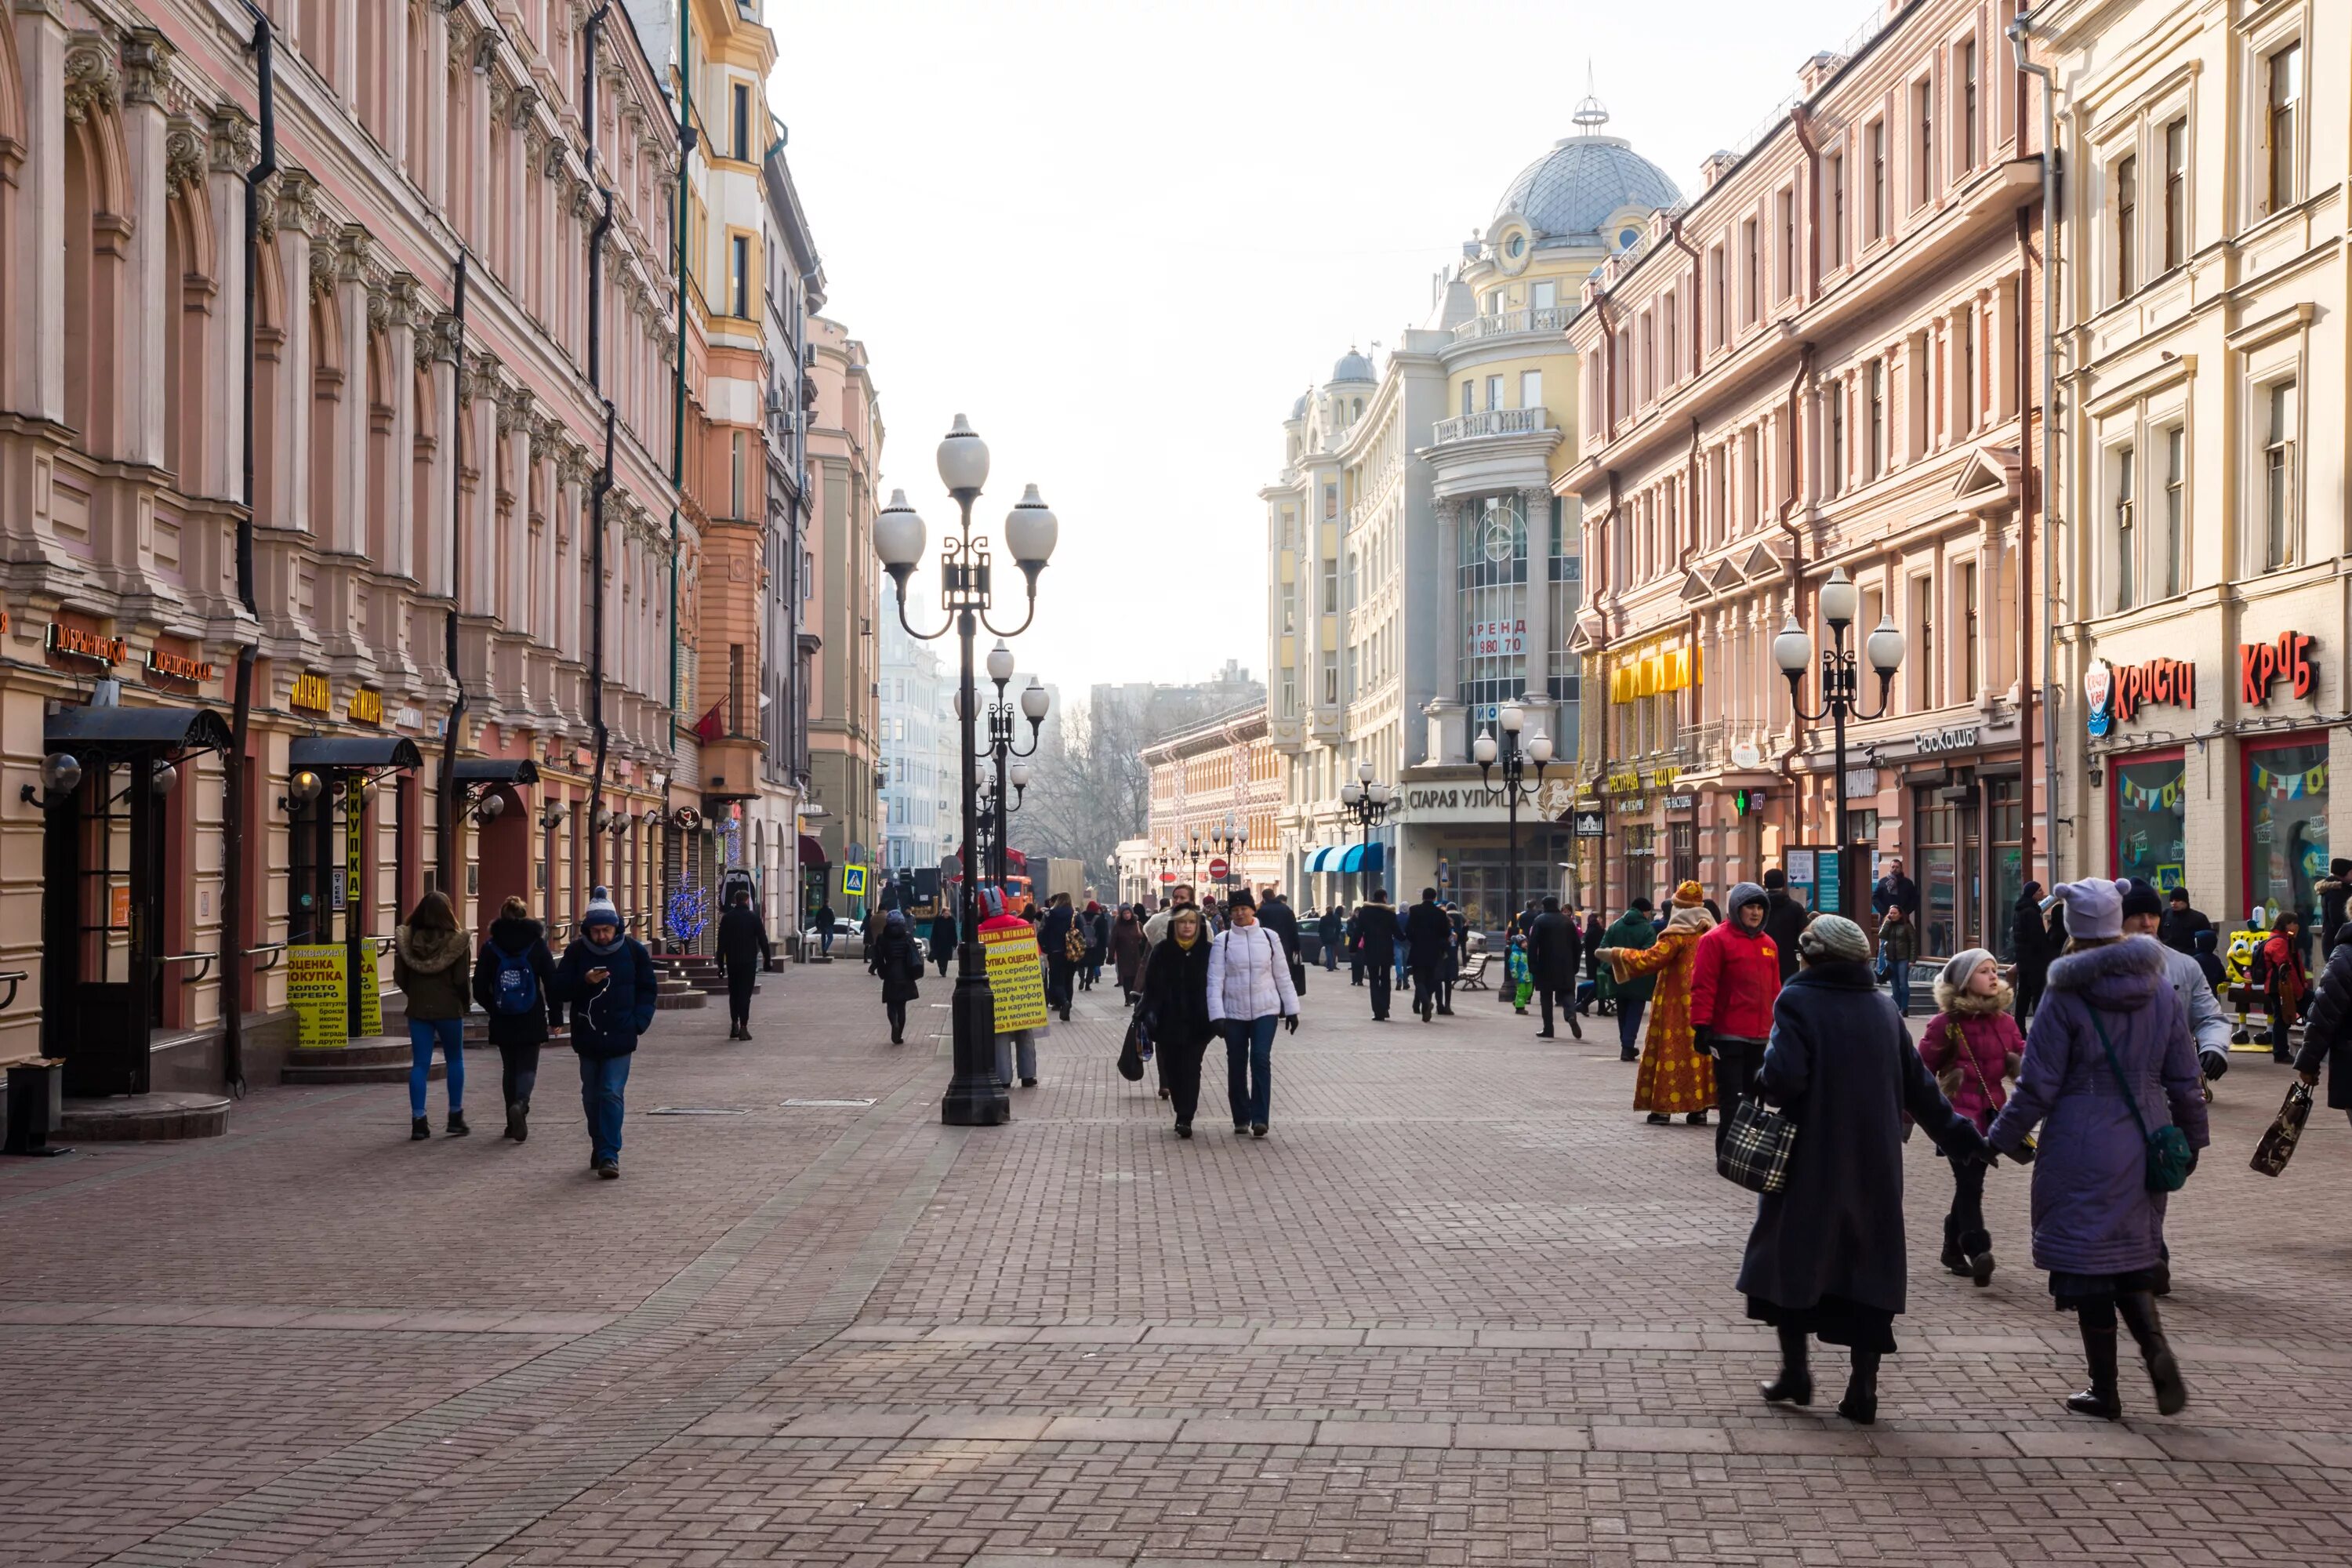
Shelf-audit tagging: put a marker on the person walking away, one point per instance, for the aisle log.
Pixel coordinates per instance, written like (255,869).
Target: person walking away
(1126,950)
(900,964)
(943,932)
(1784,920)
(1064,947)
(1631,932)
(1894,890)
(1356,946)
(512,975)
(2208,961)
(1555,950)
(1174,1006)
(1427,934)
(2209,1027)
(742,952)
(1249,996)
(1333,928)
(1380,935)
(608,978)
(824,919)
(1595,928)
(1825,1259)
(2284,981)
(2332,891)
(2107,1058)
(1898,945)
(1097,925)
(428,965)
(1274,914)
(2179,928)
(2029,939)
(1735,979)
(1673,1078)
(2325,1029)
(1971,1046)
(1457,954)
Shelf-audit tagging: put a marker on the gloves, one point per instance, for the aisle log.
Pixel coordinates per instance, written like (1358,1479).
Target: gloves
(1703,1040)
(1290,1025)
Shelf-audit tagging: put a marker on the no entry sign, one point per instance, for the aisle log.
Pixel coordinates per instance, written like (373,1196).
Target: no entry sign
(1218,868)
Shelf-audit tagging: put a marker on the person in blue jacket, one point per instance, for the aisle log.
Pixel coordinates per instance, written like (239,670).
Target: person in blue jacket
(608,977)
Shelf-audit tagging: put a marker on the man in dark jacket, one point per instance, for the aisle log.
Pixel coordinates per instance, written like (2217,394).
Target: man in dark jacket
(609,979)
(742,952)
(1054,942)
(2029,941)
(2325,1027)
(1784,920)
(1333,929)
(1279,917)
(511,977)
(1555,948)
(1428,934)
(1894,890)
(2179,928)
(943,932)
(824,920)
(1632,997)
(1377,936)
(2333,890)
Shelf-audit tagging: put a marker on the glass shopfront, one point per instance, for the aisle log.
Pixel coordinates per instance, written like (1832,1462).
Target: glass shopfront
(1491,578)
(1950,882)
(2286,791)
(2147,805)
(2005,808)
(1482,880)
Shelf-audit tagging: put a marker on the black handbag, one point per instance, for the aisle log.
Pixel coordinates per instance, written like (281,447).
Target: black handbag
(1756,1148)
(2277,1146)
(1131,1050)
(1299,977)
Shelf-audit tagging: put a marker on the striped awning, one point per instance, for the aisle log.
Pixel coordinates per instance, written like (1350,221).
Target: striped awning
(1316,860)
(1366,858)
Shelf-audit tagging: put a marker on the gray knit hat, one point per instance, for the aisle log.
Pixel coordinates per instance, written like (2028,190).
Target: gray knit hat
(1963,966)
(2094,908)
(1831,939)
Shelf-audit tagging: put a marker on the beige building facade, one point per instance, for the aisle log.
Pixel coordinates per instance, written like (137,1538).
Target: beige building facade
(1216,782)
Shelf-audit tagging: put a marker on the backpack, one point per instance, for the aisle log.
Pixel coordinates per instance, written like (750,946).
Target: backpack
(1074,944)
(514,989)
(2258,965)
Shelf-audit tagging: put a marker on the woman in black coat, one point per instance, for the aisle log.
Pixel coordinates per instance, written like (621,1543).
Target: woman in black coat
(1175,1011)
(510,981)
(2030,940)
(943,933)
(1826,1255)
(900,962)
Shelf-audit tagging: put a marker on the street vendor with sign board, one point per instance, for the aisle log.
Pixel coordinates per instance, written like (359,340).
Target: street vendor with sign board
(1016,983)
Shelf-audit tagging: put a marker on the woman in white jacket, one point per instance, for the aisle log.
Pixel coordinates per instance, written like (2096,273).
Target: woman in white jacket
(1249,991)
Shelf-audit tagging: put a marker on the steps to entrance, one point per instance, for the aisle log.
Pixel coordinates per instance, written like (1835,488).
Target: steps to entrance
(362,1061)
(142,1118)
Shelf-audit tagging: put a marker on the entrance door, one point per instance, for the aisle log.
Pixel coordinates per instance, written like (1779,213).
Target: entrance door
(101,919)
(1951,873)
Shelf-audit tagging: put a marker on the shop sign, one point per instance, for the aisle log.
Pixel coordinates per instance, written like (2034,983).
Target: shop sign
(1747,754)
(312,693)
(1476,802)
(1619,783)
(2115,694)
(2262,665)
(75,643)
(1958,738)
(1662,778)
(314,989)
(409,719)
(1592,825)
(1861,781)
(1633,808)
(161,665)
(1500,638)
(1681,803)
(367,706)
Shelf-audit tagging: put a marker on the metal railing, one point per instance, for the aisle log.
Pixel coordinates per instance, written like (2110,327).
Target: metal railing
(1504,323)
(1492,422)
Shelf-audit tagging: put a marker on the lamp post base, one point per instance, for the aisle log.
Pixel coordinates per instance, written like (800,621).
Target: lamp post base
(975,1096)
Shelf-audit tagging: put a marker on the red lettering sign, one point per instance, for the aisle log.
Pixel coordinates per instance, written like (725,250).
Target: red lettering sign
(2262,665)
(2167,682)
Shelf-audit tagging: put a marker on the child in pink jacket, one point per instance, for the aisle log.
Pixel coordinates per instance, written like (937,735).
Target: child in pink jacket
(1971,1046)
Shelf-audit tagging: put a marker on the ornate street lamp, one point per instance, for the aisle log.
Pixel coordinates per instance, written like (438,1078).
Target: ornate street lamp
(1515,759)
(1365,804)
(1841,686)
(975,1097)
(1033,701)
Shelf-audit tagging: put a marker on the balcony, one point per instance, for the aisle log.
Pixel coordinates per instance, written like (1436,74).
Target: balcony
(1552,319)
(1493,422)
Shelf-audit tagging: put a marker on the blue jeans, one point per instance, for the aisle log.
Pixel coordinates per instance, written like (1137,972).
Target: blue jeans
(1629,1021)
(422,1034)
(824,943)
(1898,979)
(601,1079)
(1330,957)
(1249,1068)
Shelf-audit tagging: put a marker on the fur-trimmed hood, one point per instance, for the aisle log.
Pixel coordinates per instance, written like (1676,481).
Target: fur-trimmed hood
(2120,977)
(429,951)
(1951,1000)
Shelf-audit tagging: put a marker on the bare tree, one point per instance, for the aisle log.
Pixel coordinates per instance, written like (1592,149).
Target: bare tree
(1088,786)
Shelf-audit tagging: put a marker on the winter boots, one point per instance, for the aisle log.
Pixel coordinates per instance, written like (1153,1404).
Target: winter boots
(1860,1405)
(1795,1384)
(2138,1310)
(2103,1398)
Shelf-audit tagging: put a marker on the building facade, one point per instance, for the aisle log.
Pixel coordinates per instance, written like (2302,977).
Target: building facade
(840,601)
(1213,784)
(1423,569)
(416,576)
(918,740)
(2203,607)
(1825,361)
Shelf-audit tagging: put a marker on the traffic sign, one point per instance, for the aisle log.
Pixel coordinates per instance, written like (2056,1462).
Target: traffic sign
(852,881)
(1217,867)
(1166,878)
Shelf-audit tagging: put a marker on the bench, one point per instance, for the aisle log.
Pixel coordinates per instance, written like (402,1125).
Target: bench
(1473,976)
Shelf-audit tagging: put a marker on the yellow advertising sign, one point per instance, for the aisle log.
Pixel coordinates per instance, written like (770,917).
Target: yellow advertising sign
(312,693)
(314,988)
(1017,978)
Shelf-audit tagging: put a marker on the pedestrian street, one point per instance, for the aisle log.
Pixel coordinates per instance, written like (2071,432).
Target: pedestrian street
(1463,1305)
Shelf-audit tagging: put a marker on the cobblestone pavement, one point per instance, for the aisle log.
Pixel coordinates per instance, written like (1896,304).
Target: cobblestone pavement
(1463,1307)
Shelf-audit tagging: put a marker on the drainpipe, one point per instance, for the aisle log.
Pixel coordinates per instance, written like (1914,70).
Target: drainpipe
(2025,504)
(1797,548)
(234,891)
(603,484)
(445,828)
(1608,372)
(2018,32)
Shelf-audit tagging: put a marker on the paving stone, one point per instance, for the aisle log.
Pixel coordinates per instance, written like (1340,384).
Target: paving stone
(1430,1339)
(1241,1430)
(1384,1433)
(1631,1439)
(982,1428)
(851,1424)
(1346,1338)
(1187,1334)
(1088,1334)
(2100,1441)
(1527,1436)
(1111,1429)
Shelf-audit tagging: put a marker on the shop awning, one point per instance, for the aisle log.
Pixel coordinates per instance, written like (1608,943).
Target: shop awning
(321,753)
(496,770)
(811,852)
(1363,857)
(98,731)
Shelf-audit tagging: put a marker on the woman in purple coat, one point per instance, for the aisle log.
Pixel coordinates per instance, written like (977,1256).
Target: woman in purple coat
(2097,1228)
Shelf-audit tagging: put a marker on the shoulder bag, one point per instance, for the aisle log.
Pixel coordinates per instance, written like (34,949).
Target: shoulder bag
(2277,1146)
(1756,1147)
(2168,1152)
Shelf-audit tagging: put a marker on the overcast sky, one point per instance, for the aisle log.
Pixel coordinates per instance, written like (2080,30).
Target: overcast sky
(1123,236)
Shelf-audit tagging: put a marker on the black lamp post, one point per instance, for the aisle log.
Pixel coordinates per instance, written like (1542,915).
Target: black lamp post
(1230,841)
(1514,759)
(1034,701)
(975,1098)
(1367,804)
(1841,688)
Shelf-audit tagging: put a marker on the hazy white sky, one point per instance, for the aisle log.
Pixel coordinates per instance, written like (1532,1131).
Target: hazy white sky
(1123,236)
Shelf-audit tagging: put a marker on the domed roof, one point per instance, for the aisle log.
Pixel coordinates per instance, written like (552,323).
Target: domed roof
(1298,409)
(1352,366)
(1585,180)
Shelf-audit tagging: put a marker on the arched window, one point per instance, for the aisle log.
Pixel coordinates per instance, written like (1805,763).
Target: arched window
(383,412)
(327,393)
(94,231)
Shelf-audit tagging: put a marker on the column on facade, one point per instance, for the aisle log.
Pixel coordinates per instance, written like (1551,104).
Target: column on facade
(145,305)
(37,374)
(438,110)
(1536,504)
(231,151)
(431,561)
(396,555)
(394,67)
(517,428)
(1998,311)
(475,131)
(344,69)
(478,524)
(297,212)
(1447,676)
(343,531)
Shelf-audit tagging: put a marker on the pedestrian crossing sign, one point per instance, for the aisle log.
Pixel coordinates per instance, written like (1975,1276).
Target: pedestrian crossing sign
(852,881)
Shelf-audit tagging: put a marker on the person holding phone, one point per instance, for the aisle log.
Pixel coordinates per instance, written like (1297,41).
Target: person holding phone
(608,977)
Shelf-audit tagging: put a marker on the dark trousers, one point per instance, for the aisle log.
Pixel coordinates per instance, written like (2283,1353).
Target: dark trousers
(1629,1022)
(1424,987)
(1379,976)
(897,1013)
(517,1072)
(1059,973)
(2282,1020)
(1180,1074)
(1546,996)
(2029,994)
(1736,1064)
(741,978)
(1967,1224)
(941,957)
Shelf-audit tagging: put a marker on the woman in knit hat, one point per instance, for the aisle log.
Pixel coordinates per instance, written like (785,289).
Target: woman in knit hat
(1971,1046)
(1674,1080)
(2110,1025)
(1826,1256)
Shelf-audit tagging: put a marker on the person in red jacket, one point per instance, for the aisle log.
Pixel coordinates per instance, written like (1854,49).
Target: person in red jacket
(1735,979)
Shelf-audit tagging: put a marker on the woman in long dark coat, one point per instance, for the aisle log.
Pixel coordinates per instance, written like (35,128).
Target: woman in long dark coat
(900,962)
(1128,948)
(1826,1255)
(1175,1010)
(2030,937)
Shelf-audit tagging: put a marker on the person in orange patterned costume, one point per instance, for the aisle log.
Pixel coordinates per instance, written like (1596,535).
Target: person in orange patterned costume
(1673,1078)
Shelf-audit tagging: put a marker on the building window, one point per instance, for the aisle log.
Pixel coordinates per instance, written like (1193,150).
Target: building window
(1545,296)
(1970,645)
(1531,389)
(1837,209)
(2285,99)
(738,275)
(1922,142)
(1494,391)
(1835,477)
(1788,223)
(1877,428)
(2278,478)
(1718,297)
(2127,226)
(737,480)
(1331,586)
(2126,540)
(1964,66)
(742,121)
(1750,298)
(1469,397)
(1923,622)
(2175,193)
(1966,401)
(2175,507)
(1875,140)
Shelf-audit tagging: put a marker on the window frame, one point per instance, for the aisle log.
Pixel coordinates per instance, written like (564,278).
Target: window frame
(1879,210)
(2179,219)
(2282,176)
(2123,538)
(2122,177)
(1922,101)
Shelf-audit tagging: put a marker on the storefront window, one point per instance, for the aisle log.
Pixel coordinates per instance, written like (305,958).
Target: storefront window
(2287,828)
(2148,802)
(1491,576)
(1948,874)
(2005,798)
